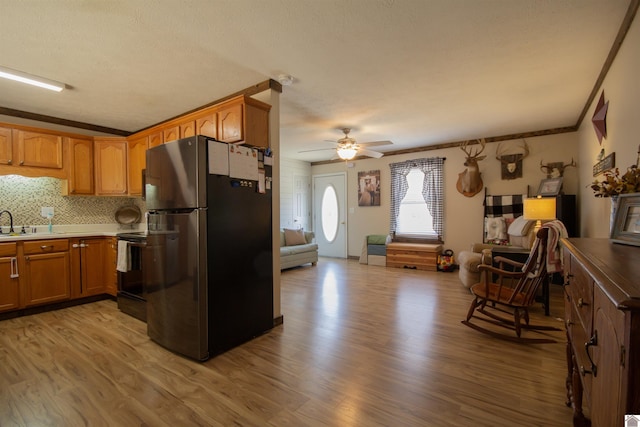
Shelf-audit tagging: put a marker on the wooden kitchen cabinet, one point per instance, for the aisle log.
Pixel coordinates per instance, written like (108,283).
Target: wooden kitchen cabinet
(244,119)
(80,162)
(6,146)
(46,271)
(171,134)
(40,150)
(9,277)
(88,266)
(207,124)
(187,129)
(110,166)
(155,139)
(602,314)
(137,160)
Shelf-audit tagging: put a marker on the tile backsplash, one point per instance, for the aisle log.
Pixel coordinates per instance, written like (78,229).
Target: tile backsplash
(24,197)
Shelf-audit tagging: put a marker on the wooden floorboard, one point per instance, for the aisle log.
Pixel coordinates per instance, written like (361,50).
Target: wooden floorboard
(360,346)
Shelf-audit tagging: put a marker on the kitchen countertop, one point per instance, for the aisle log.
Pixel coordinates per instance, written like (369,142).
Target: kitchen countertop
(69,231)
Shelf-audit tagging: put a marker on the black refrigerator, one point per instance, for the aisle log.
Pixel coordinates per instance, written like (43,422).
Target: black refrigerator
(209,257)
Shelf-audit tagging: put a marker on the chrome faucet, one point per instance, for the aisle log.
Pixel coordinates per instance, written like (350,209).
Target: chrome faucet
(10,221)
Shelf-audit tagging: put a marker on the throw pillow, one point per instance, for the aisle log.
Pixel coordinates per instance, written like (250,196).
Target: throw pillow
(294,237)
(520,227)
(496,229)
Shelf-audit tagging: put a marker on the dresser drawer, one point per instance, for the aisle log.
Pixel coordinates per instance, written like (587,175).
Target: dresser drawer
(580,290)
(45,246)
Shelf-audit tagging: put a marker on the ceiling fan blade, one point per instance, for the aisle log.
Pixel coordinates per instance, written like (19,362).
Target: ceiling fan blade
(318,149)
(375,143)
(370,153)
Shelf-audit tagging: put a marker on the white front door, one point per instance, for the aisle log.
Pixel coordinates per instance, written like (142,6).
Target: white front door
(330,214)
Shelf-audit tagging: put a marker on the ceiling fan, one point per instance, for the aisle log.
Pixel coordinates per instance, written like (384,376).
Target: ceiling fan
(347,148)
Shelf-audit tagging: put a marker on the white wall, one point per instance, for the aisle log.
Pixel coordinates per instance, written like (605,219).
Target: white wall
(288,170)
(622,90)
(463,215)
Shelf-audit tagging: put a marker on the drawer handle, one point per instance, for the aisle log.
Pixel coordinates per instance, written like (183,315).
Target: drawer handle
(44,247)
(581,302)
(591,343)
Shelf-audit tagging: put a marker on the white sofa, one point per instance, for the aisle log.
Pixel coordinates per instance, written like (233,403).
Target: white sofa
(294,253)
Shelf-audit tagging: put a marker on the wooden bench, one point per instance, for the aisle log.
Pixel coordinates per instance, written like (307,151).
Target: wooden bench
(413,255)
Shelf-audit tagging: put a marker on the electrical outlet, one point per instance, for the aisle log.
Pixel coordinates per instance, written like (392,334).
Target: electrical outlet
(46,212)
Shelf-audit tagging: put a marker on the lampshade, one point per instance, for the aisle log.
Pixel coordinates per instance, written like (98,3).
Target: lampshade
(19,76)
(540,208)
(347,153)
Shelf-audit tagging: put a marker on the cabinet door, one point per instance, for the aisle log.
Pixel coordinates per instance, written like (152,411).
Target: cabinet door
(39,150)
(137,162)
(231,124)
(155,139)
(9,286)
(6,146)
(111,167)
(171,134)
(92,253)
(609,357)
(81,179)
(207,125)
(46,278)
(187,129)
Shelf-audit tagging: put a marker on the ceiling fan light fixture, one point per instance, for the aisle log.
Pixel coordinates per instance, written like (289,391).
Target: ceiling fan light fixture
(347,153)
(19,76)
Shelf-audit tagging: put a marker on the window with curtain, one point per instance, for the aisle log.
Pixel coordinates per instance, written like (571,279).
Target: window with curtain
(417,200)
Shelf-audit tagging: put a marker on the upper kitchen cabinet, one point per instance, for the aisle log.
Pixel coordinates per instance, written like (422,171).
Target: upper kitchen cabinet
(6,146)
(80,167)
(207,124)
(155,139)
(137,159)
(111,166)
(187,129)
(40,150)
(28,152)
(244,119)
(171,133)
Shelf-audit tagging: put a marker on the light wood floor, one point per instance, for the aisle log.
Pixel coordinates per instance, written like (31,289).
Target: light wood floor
(360,346)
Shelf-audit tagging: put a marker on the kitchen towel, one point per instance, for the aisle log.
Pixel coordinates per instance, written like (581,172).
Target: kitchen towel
(124,256)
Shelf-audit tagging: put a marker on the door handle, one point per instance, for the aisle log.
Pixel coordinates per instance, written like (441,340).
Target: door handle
(14,268)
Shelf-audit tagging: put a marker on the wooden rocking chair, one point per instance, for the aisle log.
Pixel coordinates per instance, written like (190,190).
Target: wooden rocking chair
(513,292)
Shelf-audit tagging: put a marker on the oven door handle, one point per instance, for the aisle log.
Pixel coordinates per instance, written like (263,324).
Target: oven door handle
(138,245)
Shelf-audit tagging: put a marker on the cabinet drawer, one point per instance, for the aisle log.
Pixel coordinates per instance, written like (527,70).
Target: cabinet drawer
(8,249)
(46,246)
(581,293)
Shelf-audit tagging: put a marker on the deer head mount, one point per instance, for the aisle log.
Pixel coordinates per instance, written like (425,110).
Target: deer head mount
(512,163)
(556,169)
(470,181)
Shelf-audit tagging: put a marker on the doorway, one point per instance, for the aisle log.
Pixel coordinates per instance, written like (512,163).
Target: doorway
(330,214)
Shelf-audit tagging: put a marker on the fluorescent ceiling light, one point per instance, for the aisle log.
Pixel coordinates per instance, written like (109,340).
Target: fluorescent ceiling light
(19,76)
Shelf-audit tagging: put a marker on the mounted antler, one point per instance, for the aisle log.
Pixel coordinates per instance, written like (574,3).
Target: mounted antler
(549,168)
(470,181)
(510,161)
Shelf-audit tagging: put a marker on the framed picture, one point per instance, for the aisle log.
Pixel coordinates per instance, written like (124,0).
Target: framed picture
(550,187)
(626,227)
(369,188)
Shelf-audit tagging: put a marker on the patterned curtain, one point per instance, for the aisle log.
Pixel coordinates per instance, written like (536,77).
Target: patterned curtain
(432,189)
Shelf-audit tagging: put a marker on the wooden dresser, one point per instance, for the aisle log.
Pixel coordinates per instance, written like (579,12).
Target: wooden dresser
(602,315)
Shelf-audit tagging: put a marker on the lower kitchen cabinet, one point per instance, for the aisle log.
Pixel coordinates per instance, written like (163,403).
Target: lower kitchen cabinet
(88,266)
(45,275)
(9,276)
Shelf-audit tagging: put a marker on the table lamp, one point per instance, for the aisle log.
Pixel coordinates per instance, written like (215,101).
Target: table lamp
(539,209)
